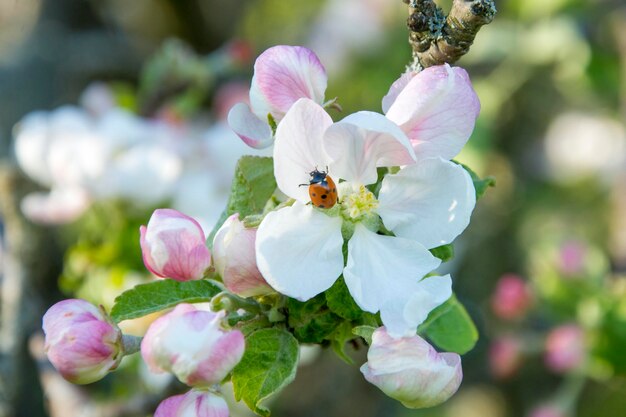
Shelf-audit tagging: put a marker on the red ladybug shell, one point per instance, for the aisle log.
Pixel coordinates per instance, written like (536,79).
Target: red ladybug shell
(322,190)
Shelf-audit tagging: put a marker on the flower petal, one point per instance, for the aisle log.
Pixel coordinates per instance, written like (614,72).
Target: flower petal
(403,316)
(363,141)
(437,110)
(169,406)
(396,88)
(255,132)
(298,148)
(384,268)
(430,202)
(299,251)
(282,75)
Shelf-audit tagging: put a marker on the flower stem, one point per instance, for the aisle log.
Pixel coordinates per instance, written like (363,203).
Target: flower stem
(131,344)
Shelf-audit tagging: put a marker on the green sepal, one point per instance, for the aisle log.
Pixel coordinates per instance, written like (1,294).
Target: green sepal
(365,332)
(480,184)
(444,252)
(311,321)
(339,339)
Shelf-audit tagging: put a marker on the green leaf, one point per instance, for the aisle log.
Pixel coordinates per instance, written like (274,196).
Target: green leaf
(311,321)
(365,332)
(268,365)
(445,252)
(450,327)
(253,184)
(340,301)
(339,339)
(159,295)
(480,185)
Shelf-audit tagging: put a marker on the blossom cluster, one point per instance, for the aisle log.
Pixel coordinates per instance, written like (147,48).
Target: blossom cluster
(361,203)
(101,151)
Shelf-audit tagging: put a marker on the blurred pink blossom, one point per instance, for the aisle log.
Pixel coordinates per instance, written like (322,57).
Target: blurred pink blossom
(505,357)
(512,297)
(547,411)
(572,257)
(565,348)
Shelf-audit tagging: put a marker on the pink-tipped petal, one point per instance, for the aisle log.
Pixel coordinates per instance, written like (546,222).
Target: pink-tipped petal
(396,88)
(298,148)
(169,406)
(284,74)
(255,132)
(437,110)
(363,141)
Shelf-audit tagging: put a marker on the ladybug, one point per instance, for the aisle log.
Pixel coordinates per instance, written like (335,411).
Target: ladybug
(322,189)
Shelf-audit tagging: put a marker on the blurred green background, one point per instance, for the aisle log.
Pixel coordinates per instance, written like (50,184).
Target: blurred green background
(551,77)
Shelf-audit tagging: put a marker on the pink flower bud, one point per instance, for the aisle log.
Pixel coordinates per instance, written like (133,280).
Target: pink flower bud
(234,256)
(505,357)
(81,342)
(409,370)
(565,348)
(190,343)
(195,403)
(512,297)
(173,246)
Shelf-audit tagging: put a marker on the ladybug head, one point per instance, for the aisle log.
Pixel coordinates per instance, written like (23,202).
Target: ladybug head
(317,176)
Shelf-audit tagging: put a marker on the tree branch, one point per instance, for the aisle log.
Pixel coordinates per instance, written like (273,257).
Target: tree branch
(437,39)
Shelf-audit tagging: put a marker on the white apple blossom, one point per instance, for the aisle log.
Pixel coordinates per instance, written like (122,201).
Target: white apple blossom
(426,204)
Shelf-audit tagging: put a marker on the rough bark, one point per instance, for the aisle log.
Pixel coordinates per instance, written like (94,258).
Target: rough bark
(437,39)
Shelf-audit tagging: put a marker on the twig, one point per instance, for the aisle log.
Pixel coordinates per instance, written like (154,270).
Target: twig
(437,39)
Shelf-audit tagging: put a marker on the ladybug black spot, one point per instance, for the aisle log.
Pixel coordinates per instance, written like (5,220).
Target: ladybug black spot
(321,206)
(313,194)
(324,196)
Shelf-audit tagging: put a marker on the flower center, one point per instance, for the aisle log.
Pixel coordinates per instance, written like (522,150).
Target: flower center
(358,203)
